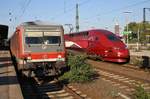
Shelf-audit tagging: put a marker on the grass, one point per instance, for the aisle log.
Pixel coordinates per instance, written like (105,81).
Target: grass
(140,93)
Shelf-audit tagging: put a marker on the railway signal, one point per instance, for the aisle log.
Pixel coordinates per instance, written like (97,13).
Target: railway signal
(126,32)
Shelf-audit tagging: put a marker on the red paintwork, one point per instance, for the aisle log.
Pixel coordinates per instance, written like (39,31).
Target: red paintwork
(97,43)
(16,43)
(43,61)
(16,46)
(43,55)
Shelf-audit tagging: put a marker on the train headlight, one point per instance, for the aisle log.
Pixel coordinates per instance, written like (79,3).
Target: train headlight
(106,51)
(119,54)
(29,58)
(59,56)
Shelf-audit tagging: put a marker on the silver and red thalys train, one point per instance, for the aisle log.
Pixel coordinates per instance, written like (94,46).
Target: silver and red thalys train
(39,48)
(99,43)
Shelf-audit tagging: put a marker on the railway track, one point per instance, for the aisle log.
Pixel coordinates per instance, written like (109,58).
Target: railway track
(53,89)
(49,89)
(57,90)
(33,88)
(130,66)
(126,83)
(124,65)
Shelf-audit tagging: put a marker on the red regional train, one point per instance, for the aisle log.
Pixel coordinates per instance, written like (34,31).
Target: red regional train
(39,48)
(99,43)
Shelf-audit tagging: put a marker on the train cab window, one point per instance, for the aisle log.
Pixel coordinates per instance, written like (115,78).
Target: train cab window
(71,35)
(85,34)
(52,39)
(33,37)
(33,40)
(43,38)
(112,38)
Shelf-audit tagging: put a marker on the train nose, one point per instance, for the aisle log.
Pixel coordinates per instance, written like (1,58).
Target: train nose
(123,53)
(119,54)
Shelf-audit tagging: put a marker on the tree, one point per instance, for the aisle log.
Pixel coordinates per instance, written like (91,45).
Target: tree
(138,28)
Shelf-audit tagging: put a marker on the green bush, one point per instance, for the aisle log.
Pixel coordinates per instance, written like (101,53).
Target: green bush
(141,93)
(80,71)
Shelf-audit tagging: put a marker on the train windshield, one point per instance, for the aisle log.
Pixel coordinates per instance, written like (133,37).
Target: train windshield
(42,38)
(113,37)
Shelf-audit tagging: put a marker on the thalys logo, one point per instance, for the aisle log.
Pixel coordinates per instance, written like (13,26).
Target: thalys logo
(91,38)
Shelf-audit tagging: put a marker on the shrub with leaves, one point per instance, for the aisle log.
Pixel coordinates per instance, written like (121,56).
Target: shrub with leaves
(80,71)
(141,93)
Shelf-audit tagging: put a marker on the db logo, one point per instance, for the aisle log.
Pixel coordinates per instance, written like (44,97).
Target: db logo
(44,46)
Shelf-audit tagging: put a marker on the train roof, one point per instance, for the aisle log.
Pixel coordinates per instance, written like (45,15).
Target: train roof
(100,30)
(39,23)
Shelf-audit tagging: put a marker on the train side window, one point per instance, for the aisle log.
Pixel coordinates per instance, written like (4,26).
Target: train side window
(96,38)
(85,34)
(71,35)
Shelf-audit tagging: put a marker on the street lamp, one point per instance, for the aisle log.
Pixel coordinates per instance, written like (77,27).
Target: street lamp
(127,12)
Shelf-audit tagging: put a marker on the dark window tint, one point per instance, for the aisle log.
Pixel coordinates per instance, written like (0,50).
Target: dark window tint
(112,38)
(84,34)
(42,40)
(52,39)
(33,40)
(96,38)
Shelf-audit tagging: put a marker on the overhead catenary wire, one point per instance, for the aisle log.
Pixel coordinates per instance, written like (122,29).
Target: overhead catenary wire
(13,19)
(12,11)
(69,10)
(115,10)
(27,3)
(25,6)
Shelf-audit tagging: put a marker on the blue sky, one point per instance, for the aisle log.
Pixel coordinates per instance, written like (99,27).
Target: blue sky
(93,13)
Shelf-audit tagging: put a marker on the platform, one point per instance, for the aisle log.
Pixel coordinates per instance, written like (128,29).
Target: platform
(140,58)
(9,85)
(140,53)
